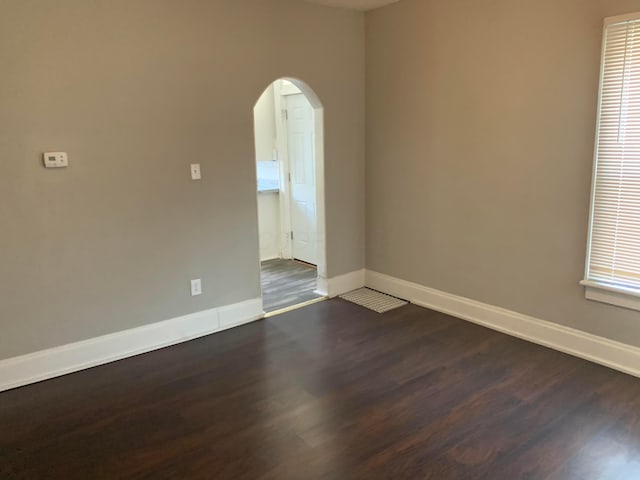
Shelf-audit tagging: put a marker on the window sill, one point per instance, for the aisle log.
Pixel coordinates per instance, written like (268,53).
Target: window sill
(620,297)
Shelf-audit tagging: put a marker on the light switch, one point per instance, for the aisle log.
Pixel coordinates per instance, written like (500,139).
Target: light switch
(55,159)
(196,287)
(195,171)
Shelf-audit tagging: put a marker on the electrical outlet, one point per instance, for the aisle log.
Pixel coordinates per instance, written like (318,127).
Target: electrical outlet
(196,287)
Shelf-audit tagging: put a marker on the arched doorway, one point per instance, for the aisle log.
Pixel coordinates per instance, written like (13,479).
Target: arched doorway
(289,146)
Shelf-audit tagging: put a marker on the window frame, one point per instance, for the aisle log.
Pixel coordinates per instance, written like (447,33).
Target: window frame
(599,291)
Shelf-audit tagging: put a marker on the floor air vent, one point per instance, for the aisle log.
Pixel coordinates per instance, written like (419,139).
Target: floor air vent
(376,301)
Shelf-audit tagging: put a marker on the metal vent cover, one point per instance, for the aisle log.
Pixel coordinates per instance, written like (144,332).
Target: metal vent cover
(373,300)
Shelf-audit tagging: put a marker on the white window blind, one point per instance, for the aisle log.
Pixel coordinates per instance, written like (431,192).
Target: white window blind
(614,248)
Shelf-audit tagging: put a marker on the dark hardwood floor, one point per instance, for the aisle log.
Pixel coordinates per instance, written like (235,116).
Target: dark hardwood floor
(286,283)
(331,391)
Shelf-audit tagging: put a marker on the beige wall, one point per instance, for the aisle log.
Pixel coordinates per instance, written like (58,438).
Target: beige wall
(135,91)
(264,125)
(269,225)
(480,134)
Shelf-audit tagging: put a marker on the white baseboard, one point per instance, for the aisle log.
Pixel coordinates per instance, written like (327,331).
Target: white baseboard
(603,351)
(53,362)
(332,287)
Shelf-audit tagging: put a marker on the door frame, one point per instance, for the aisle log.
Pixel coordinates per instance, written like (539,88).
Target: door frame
(281,90)
(282,147)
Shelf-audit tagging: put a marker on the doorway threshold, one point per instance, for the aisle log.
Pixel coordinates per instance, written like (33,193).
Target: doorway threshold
(295,307)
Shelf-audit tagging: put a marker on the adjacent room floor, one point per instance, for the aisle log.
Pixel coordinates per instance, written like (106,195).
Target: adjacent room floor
(331,391)
(286,283)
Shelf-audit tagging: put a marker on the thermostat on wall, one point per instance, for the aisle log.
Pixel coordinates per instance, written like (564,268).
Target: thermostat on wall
(56,159)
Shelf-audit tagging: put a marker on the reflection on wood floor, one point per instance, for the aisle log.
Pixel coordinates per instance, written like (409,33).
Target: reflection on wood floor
(331,391)
(286,283)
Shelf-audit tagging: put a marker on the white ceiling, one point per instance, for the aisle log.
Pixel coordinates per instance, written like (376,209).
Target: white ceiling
(362,5)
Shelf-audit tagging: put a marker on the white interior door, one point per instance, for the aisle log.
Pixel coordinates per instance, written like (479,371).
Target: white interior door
(300,128)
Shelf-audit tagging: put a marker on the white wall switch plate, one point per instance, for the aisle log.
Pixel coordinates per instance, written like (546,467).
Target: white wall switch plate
(55,159)
(195,171)
(196,287)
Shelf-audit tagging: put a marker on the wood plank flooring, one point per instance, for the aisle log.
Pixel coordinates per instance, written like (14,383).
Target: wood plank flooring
(331,391)
(286,283)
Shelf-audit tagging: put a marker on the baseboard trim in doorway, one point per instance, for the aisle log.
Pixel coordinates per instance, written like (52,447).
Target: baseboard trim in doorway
(332,287)
(290,308)
(73,357)
(612,354)
(306,264)
(269,259)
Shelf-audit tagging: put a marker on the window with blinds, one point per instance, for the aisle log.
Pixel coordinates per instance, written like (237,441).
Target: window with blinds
(613,261)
